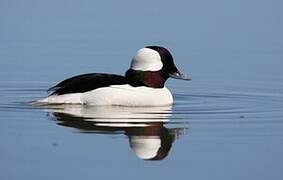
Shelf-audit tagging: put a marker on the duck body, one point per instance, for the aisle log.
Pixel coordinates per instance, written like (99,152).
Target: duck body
(142,85)
(114,91)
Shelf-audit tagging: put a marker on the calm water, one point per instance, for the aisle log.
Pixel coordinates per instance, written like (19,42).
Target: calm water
(225,124)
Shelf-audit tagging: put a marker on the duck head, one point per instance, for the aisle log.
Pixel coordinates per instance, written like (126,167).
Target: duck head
(152,66)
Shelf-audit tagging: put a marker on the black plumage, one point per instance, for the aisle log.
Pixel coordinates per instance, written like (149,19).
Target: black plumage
(87,82)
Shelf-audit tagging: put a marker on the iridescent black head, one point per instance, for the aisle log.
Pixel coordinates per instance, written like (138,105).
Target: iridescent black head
(152,66)
(169,68)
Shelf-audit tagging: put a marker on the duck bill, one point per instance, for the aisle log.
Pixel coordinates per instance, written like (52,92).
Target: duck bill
(180,75)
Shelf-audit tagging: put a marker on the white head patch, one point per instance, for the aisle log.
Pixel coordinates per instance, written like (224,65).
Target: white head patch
(146,60)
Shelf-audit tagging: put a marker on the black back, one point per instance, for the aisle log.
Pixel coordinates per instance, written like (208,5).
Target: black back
(87,82)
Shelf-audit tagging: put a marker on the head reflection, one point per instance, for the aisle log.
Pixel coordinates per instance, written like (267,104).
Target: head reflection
(152,142)
(148,137)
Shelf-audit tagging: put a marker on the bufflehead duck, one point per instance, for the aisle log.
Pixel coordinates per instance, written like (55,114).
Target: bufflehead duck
(142,85)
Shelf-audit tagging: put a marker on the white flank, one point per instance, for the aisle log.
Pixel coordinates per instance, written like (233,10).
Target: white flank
(74,98)
(120,95)
(146,60)
(126,95)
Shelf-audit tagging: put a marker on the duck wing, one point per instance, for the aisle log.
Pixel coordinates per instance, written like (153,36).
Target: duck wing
(86,82)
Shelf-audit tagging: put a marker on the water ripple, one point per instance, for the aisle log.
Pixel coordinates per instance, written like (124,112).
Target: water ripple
(194,107)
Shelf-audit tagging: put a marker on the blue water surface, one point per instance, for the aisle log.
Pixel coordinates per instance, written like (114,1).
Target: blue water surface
(227,123)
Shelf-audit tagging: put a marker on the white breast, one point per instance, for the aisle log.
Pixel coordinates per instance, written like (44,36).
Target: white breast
(123,95)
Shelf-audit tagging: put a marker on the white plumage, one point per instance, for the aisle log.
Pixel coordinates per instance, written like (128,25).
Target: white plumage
(146,60)
(124,95)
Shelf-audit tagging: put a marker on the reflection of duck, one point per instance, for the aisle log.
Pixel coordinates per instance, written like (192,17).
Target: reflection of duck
(152,142)
(148,137)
